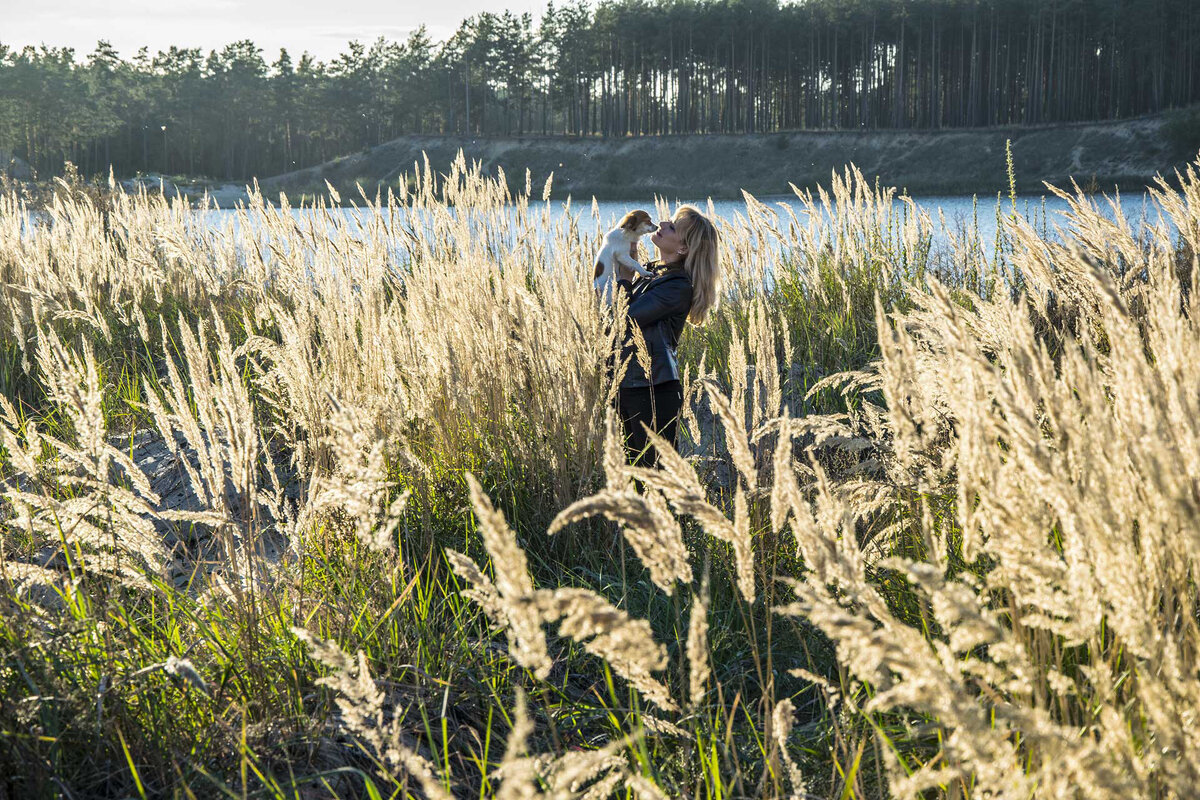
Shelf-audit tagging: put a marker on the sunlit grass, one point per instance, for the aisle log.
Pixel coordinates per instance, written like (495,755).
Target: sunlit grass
(319,391)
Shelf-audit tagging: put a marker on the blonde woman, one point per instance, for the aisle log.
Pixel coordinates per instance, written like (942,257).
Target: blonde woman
(684,288)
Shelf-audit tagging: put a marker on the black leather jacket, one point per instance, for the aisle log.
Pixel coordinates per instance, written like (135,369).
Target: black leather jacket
(660,305)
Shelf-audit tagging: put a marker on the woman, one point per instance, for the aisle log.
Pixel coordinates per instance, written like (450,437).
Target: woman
(684,288)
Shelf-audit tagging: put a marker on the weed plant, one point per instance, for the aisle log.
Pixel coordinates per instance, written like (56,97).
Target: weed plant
(309,505)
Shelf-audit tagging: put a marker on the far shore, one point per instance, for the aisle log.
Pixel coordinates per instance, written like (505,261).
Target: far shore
(1124,155)
(1103,156)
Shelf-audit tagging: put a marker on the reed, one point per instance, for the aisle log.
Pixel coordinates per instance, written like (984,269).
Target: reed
(929,531)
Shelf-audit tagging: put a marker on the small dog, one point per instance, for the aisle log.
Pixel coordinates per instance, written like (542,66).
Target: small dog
(616,250)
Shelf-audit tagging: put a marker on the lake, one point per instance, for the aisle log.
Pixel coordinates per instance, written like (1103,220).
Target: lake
(950,214)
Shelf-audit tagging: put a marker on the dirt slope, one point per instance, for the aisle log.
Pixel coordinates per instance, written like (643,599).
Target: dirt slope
(1127,153)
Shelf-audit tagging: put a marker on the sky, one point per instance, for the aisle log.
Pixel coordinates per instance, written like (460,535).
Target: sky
(321,28)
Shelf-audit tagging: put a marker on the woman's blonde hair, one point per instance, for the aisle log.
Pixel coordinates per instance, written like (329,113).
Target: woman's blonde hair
(700,236)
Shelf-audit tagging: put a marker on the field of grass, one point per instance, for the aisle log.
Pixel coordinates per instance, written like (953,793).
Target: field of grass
(302,508)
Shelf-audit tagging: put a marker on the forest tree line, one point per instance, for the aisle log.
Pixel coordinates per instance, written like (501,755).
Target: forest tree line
(622,67)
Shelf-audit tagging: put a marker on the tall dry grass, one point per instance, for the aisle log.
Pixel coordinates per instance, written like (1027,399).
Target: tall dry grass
(929,531)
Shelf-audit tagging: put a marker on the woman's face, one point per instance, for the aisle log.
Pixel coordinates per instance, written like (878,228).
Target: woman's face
(669,241)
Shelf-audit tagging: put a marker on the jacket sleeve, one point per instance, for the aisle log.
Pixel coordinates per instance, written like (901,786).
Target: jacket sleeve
(670,297)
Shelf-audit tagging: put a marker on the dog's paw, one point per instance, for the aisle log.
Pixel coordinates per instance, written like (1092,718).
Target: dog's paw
(645,273)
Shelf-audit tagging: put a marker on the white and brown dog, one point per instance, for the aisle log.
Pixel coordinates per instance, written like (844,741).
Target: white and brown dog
(616,250)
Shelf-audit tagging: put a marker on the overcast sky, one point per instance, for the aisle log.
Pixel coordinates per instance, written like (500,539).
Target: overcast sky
(321,28)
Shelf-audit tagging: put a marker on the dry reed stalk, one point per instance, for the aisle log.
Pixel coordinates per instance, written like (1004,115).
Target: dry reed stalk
(782,717)
(76,497)
(517,770)
(209,417)
(357,486)
(647,525)
(697,646)
(616,468)
(679,484)
(733,418)
(1067,469)
(576,775)
(643,789)
(510,598)
(627,644)
(364,713)
(512,603)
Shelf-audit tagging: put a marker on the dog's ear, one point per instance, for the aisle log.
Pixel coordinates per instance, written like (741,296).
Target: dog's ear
(634,219)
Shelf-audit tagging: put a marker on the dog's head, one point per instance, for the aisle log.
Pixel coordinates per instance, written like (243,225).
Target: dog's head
(637,223)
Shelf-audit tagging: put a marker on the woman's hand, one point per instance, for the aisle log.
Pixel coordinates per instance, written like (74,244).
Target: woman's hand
(625,273)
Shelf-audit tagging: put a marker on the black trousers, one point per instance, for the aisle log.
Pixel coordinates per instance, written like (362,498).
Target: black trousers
(662,415)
